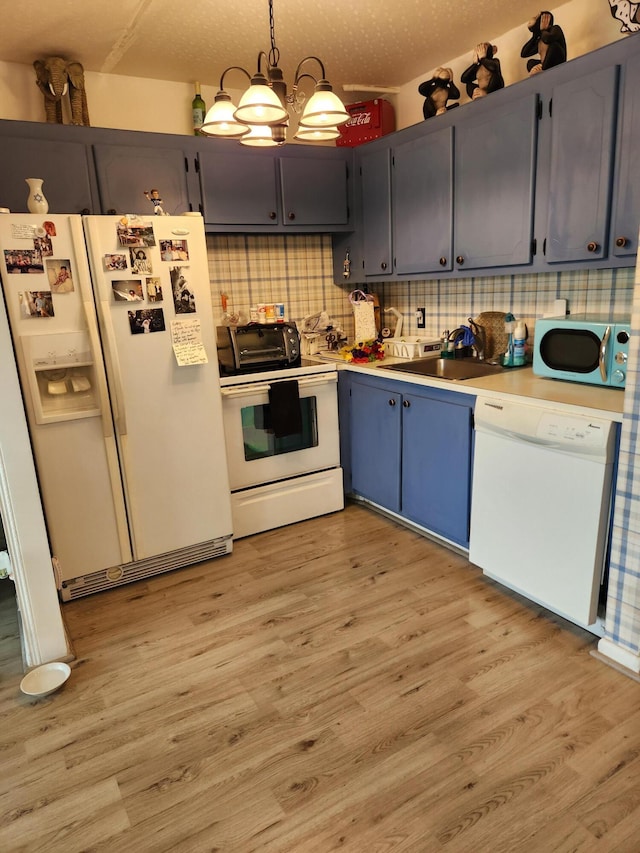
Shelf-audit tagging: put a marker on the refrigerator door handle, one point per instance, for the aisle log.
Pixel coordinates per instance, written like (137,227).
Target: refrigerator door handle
(103,393)
(117,400)
(86,293)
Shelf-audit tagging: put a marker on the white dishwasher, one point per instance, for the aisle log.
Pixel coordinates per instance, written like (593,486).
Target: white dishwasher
(541,502)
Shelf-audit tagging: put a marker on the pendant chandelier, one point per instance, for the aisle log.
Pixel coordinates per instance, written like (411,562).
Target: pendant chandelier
(261,118)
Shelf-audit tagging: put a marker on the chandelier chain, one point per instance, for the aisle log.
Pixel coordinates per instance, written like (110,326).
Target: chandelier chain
(274,53)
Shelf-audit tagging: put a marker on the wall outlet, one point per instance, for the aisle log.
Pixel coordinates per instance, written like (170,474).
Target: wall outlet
(420,317)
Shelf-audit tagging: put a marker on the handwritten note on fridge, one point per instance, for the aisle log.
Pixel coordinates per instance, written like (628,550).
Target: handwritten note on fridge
(186,338)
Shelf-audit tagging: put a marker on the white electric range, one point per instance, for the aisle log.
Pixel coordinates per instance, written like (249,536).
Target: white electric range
(281,475)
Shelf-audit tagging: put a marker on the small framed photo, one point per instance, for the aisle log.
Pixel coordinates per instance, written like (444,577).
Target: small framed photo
(127,290)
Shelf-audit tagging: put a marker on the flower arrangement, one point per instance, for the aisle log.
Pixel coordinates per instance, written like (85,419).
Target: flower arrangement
(364,352)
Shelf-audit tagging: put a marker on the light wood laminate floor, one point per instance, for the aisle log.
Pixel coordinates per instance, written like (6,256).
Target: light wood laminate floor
(342,684)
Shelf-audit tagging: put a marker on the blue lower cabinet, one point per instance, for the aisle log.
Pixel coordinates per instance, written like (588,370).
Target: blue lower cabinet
(410,453)
(436,465)
(376,444)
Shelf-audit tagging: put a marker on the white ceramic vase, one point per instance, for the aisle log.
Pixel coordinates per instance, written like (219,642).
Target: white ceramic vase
(36,201)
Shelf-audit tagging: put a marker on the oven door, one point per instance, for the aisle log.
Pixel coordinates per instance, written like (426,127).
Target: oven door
(256,457)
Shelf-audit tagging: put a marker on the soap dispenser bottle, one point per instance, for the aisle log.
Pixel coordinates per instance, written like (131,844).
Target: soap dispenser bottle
(509,327)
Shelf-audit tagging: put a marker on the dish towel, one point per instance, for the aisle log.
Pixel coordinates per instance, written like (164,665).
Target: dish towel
(284,402)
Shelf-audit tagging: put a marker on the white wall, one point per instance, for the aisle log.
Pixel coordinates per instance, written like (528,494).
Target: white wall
(125,103)
(162,106)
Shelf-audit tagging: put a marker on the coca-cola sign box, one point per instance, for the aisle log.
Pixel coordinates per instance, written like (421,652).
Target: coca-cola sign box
(369,120)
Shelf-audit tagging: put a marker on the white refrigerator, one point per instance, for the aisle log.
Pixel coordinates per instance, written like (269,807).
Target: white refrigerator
(112,325)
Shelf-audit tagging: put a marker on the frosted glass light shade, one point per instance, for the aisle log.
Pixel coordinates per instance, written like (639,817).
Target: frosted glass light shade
(259,136)
(324,109)
(260,104)
(220,121)
(316,134)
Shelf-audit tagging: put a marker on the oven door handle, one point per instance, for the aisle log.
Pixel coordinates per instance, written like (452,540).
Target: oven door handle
(263,387)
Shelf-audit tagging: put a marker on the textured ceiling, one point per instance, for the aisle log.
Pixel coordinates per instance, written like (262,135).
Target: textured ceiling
(367,42)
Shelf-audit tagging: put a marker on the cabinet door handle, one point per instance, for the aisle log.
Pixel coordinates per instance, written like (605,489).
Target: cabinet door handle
(272,214)
(443,261)
(406,404)
(459,259)
(291,215)
(392,402)
(383,265)
(621,242)
(592,247)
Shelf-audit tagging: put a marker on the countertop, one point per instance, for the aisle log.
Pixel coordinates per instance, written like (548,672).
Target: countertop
(520,383)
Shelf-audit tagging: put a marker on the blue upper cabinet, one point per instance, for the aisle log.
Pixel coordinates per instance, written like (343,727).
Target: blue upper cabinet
(125,171)
(238,187)
(65,167)
(375,175)
(246,190)
(495,165)
(545,176)
(583,114)
(625,218)
(423,203)
(314,191)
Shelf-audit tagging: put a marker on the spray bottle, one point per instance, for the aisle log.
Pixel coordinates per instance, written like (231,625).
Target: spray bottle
(519,342)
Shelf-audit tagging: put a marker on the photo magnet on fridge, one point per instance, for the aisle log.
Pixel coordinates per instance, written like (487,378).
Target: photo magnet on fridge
(146,321)
(23,261)
(127,290)
(132,231)
(154,289)
(140,261)
(183,299)
(113,263)
(36,303)
(59,274)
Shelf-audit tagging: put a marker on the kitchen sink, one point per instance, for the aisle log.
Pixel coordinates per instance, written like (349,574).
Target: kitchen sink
(448,368)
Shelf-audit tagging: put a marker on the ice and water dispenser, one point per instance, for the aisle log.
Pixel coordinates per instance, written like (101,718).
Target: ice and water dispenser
(61,376)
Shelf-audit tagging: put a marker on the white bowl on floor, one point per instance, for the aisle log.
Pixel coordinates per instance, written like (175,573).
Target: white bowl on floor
(45,679)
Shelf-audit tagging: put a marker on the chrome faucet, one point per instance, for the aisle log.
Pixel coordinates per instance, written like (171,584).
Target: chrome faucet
(453,336)
(479,339)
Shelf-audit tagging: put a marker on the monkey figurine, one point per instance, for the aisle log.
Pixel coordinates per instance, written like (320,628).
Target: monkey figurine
(547,40)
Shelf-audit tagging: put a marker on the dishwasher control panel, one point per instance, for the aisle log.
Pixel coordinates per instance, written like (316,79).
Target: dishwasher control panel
(572,430)
(536,424)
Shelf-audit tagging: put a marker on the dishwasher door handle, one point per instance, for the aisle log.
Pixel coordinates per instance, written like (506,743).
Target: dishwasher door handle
(518,436)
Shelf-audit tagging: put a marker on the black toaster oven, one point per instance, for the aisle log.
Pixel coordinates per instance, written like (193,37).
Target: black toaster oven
(257,347)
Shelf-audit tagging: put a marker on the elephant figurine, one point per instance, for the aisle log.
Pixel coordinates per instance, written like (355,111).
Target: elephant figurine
(57,76)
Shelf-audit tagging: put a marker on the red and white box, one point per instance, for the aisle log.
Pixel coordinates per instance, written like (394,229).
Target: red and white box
(369,120)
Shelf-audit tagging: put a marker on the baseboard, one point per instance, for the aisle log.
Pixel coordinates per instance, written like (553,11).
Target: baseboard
(620,659)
